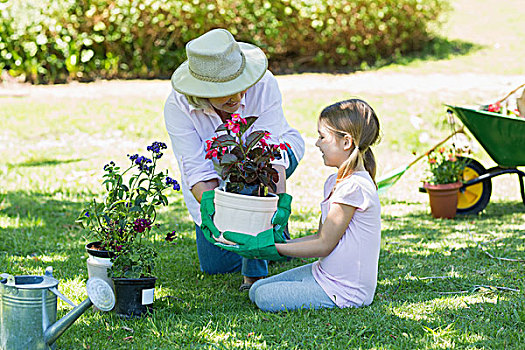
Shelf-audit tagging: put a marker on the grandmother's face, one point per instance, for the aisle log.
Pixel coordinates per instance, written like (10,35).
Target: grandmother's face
(228,104)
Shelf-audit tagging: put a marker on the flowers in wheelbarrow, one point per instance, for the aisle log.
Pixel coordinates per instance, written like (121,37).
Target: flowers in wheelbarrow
(497,107)
(244,157)
(445,165)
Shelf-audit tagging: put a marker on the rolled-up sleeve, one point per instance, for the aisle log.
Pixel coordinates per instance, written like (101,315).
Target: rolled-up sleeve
(188,146)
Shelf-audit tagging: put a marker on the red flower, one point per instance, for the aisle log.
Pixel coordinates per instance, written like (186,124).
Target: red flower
(283,146)
(234,127)
(495,107)
(238,118)
(212,153)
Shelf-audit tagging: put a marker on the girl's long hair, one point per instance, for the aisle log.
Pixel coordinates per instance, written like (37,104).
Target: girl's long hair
(357,119)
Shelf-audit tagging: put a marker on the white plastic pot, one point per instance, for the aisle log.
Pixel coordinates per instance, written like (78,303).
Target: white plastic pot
(242,213)
(98,267)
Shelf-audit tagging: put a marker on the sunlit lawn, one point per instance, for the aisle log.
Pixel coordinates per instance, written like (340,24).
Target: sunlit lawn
(438,287)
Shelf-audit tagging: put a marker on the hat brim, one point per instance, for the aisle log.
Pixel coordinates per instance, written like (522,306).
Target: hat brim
(256,65)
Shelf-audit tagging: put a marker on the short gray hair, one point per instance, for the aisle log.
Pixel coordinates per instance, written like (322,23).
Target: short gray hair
(198,102)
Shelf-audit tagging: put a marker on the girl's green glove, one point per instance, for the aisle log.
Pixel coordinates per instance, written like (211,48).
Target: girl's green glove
(261,246)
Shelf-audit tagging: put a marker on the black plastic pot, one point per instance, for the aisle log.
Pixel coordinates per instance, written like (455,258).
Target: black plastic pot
(92,250)
(134,296)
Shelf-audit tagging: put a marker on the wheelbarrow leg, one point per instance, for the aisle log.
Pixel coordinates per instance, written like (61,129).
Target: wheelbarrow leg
(522,188)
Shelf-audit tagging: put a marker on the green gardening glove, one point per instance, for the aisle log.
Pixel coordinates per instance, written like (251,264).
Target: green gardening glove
(281,216)
(261,246)
(207,211)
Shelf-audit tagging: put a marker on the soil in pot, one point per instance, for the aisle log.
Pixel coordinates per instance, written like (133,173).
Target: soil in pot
(134,296)
(94,249)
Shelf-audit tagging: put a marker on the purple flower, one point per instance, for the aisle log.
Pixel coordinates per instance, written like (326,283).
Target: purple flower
(170,181)
(155,149)
(141,161)
(170,236)
(109,167)
(140,225)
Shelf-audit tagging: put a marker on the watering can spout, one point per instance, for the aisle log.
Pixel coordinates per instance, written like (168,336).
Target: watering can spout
(99,293)
(54,331)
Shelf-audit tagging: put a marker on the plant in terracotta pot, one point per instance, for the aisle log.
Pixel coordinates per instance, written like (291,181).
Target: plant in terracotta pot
(244,158)
(445,169)
(121,223)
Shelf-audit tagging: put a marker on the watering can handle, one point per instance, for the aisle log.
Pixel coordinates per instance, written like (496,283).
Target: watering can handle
(61,296)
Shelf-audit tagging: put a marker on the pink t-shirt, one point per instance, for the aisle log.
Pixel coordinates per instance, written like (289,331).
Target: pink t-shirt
(349,273)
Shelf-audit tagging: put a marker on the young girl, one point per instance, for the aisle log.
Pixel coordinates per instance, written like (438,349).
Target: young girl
(349,234)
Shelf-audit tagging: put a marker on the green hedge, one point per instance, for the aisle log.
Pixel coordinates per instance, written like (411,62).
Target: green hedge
(55,41)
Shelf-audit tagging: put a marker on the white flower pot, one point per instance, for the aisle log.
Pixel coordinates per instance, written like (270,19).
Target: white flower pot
(98,267)
(242,213)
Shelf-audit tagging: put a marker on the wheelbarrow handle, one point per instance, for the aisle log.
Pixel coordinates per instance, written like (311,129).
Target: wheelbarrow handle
(460,130)
(510,93)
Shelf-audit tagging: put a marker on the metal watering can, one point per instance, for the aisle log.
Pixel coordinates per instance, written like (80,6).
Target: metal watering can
(28,309)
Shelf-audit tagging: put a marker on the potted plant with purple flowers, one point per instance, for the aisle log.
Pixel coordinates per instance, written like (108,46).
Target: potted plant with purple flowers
(122,222)
(244,158)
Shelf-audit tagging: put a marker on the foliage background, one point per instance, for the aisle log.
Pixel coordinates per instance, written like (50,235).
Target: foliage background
(47,41)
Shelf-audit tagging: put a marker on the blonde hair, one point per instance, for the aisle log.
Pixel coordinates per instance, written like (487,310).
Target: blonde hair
(357,119)
(198,102)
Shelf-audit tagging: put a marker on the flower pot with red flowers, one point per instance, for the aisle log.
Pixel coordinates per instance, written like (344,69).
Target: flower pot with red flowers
(121,224)
(245,204)
(445,169)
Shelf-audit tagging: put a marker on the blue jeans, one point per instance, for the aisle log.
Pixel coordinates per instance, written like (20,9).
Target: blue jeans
(214,260)
(291,290)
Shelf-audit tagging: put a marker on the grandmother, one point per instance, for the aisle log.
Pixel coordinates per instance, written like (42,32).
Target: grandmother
(220,77)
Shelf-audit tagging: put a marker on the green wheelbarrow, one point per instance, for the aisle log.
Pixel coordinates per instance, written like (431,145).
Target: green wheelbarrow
(503,138)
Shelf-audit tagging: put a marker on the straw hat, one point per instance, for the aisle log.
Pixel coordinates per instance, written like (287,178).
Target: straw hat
(218,66)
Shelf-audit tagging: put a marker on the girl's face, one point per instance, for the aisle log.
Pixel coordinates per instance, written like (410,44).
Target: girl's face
(335,149)
(228,104)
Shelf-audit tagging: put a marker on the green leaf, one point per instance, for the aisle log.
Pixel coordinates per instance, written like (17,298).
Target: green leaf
(253,139)
(228,158)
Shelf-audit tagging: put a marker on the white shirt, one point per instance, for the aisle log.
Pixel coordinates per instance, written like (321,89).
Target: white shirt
(190,127)
(348,274)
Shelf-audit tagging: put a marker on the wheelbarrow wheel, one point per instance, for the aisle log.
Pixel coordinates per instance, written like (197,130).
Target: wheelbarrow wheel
(474,198)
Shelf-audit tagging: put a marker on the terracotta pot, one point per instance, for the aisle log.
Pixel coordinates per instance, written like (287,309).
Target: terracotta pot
(443,199)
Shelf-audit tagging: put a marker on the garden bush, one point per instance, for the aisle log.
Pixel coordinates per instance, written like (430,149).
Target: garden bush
(55,41)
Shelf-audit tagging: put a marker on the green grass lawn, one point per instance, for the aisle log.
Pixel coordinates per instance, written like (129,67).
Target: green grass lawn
(440,284)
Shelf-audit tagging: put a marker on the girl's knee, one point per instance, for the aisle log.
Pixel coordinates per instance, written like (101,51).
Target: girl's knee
(265,299)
